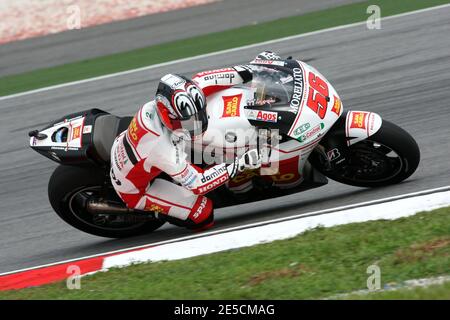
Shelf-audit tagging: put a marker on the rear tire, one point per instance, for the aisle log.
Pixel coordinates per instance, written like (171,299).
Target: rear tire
(67,182)
(382,170)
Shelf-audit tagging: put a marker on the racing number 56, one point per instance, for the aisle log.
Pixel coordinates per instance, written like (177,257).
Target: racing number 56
(318,93)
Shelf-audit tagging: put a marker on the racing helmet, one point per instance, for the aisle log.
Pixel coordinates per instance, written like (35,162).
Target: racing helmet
(181,105)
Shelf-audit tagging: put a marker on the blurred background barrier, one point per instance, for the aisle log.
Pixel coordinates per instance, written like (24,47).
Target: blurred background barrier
(23,19)
(36,34)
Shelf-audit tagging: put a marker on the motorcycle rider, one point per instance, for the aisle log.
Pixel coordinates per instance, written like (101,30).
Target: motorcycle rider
(152,145)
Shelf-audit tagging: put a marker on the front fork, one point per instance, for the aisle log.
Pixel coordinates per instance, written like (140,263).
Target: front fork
(351,128)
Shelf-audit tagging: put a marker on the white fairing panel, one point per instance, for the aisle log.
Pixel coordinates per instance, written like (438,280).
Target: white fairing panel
(360,125)
(75,130)
(228,126)
(319,108)
(229,129)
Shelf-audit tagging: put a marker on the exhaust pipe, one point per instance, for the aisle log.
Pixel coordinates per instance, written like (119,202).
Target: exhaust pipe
(97,206)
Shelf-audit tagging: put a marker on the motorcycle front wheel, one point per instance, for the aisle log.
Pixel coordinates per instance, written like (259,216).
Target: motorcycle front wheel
(388,157)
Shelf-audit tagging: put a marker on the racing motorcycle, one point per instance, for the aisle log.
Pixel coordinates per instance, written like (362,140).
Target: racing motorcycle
(289,98)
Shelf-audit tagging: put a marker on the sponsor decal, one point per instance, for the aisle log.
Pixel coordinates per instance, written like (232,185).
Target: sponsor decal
(372,123)
(231,106)
(318,95)
(259,115)
(297,95)
(244,176)
(154,208)
(189,182)
(135,132)
(288,171)
(311,133)
(65,148)
(220,76)
(58,148)
(260,102)
(214,184)
(87,129)
(212,173)
(205,73)
(333,154)
(120,156)
(200,208)
(251,114)
(76,133)
(116,161)
(176,142)
(132,130)
(173,81)
(177,84)
(269,62)
(337,107)
(285,177)
(263,61)
(188,177)
(301,129)
(358,120)
(267,116)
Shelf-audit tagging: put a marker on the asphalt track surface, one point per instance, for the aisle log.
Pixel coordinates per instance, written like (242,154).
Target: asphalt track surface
(401,71)
(76,45)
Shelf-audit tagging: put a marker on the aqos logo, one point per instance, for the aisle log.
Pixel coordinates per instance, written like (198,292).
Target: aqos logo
(267,116)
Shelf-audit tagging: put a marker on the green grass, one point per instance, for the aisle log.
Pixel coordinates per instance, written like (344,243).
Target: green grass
(316,264)
(433,292)
(205,44)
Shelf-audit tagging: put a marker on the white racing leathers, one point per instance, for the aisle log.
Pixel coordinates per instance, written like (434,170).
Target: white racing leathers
(147,149)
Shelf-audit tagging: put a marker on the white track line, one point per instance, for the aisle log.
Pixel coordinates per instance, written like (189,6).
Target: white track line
(298,36)
(252,225)
(286,229)
(388,287)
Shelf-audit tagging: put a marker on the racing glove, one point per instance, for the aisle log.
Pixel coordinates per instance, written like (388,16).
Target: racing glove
(245,72)
(248,161)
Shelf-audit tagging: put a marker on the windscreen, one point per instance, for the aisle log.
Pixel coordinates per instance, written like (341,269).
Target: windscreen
(271,86)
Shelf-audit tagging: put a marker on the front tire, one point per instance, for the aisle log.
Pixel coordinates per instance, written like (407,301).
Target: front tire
(69,183)
(388,157)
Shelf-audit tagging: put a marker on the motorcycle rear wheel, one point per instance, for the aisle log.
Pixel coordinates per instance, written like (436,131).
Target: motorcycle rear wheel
(70,185)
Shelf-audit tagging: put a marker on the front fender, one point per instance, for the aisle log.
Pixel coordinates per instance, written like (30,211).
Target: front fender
(360,125)
(350,128)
